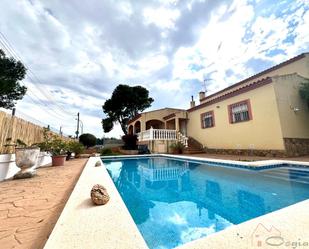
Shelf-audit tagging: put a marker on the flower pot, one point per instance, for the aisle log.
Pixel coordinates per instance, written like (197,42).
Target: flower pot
(58,160)
(26,160)
(44,159)
(8,167)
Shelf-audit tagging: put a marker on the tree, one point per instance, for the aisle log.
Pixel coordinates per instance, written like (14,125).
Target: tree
(304,91)
(11,72)
(88,140)
(126,102)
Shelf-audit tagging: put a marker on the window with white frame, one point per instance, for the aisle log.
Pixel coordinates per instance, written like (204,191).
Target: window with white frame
(208,119)
(240,112)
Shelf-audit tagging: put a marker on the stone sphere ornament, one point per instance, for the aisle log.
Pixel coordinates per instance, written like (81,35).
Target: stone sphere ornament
(99,195)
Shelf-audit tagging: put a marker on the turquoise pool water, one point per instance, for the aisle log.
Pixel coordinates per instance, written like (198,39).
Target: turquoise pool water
(174,201)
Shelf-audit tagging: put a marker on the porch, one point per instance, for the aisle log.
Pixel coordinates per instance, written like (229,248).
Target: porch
(159,129)
(162,134)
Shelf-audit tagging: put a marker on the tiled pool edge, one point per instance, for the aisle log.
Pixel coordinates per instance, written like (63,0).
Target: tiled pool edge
(82,225)
(257,165)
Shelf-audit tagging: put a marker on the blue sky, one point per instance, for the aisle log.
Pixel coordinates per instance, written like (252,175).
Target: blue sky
(79,51)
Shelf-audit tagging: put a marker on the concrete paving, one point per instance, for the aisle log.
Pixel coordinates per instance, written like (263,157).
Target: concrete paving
(29,208)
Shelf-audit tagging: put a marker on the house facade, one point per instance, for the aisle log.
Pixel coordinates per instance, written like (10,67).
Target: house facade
(261,115)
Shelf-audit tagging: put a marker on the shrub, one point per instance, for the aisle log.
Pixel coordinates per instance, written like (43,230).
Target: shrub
(88,140)
(177,147)
(109,152)
(130,142)
(57,146)
(105,152)
(76,147)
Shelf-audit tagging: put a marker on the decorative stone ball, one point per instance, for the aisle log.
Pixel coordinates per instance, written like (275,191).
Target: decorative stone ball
(99,195)
(97,164)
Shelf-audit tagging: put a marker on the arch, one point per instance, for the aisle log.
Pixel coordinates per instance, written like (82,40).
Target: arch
(137,127)
(155,124)
(130,129)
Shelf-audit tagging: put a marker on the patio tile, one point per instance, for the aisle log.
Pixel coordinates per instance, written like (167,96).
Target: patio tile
(29,208)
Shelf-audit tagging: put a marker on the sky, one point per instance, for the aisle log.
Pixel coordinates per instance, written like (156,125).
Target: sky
(78,51)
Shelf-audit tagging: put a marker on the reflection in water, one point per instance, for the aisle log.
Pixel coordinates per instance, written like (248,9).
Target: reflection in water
(173,202)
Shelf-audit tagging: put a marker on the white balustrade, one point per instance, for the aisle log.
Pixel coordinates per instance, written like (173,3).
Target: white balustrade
(162,134)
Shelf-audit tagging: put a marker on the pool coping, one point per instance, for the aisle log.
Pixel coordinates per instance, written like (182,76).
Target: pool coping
(84,225)
(257,165)
(120,231)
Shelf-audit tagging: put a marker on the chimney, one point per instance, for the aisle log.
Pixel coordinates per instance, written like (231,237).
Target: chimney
(202,95)
(192,103)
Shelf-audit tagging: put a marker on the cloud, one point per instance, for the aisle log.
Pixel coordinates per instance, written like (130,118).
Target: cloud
(79,51)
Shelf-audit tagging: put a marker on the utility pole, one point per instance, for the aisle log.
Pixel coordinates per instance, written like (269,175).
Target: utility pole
(60,131)
(77,131)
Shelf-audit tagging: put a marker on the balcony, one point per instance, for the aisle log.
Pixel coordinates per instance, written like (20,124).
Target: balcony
(162,134)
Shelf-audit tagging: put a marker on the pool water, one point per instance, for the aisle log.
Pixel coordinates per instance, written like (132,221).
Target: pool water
(174,201)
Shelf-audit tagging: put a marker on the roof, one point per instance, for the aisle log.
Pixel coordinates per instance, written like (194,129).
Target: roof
(166,108)
(214,98)
(237,91)
(298,57)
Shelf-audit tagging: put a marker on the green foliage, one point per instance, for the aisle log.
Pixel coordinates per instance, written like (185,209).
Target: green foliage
(304,91)
(177,147)
(53,143)
(130,142)
(126,102)
(17,143)
(57,146)
(88,140)
(12,145)
(11,72)
(76,147)
(108,152)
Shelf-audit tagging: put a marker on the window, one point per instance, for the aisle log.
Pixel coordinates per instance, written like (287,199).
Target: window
(240,112)
(207,119)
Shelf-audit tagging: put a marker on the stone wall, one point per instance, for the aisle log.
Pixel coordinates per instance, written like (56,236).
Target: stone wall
(263,153)
(296,146)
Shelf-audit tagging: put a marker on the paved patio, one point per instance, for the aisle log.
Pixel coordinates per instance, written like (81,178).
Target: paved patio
(29,208)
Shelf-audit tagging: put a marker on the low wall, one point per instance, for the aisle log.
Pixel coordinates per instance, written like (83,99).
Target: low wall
(264,153)
(8,167)
(296,146)
(128,152)
(159,146)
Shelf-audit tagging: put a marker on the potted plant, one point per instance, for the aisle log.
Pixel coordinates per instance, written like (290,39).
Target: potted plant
(177,148)
(74,147)
(25,158)
(57,147)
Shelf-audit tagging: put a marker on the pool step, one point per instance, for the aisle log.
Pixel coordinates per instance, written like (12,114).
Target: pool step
(288,175)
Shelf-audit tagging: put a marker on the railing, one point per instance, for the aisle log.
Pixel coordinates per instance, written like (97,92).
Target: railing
(183,139)
(163,174)
(162,134)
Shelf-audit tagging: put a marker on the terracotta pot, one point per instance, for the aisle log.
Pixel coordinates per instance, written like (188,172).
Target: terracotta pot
(58,160)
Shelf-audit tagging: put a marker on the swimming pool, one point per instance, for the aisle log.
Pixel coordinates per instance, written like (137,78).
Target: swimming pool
(175,201)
